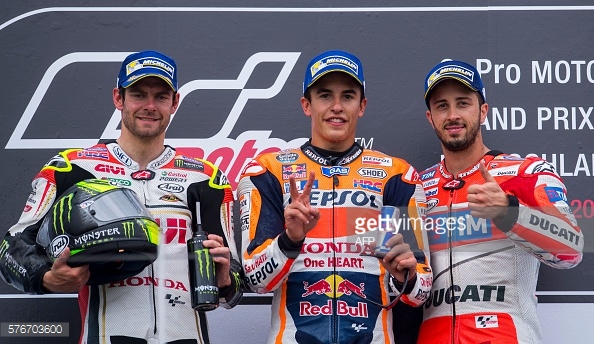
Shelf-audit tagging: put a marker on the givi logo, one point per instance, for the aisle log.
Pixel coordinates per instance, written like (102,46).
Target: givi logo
(110,169)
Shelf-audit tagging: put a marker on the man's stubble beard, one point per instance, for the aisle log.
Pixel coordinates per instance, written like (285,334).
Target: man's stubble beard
(463,143)
(128,121)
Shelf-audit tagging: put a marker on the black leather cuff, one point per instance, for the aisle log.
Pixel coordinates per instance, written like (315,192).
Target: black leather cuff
(230,289)
(507,222)
(409,285)
(288,247)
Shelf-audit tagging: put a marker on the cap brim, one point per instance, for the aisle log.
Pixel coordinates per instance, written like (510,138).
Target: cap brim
(140,77)
(321,74)
(445,77)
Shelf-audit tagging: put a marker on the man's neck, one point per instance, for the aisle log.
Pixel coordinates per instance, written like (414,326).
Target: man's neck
(458,161)
(142,151)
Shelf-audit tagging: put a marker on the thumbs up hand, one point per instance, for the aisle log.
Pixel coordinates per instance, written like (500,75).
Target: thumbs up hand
(487,200)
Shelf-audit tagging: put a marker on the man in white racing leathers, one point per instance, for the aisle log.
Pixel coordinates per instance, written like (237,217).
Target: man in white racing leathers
(302,246)
(154,305)
(493,218)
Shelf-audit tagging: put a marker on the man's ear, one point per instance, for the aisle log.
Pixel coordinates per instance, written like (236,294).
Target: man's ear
(484,112)
(306,106)
(118,100)
(362,107)
(175,103)
(428,115)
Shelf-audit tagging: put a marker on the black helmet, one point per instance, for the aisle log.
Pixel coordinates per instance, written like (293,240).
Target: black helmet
(104,226)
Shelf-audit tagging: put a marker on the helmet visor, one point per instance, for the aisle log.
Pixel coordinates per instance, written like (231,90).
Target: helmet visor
(70,217)
(115,205)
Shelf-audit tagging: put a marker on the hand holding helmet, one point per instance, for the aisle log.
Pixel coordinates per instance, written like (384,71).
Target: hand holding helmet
(104,227)
(62,278)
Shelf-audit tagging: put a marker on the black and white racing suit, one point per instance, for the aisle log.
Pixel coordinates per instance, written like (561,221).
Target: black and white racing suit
(155,304)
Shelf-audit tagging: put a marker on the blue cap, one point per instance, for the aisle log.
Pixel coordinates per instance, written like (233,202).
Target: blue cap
(333,61)
(457,70)
(147,63)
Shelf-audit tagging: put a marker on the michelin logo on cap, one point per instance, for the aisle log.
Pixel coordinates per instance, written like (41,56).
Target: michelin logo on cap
(333,61)
(457,70)
(321,64)
(141,63)
(147,63)
(451,70)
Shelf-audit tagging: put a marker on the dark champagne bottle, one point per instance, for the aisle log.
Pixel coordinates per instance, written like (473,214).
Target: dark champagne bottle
(203,283)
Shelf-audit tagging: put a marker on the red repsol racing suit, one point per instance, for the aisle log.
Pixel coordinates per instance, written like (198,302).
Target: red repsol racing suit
(155,304)
(321,286)
(486,271)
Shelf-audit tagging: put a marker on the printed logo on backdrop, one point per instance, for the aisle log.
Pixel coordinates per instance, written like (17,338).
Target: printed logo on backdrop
(229,154)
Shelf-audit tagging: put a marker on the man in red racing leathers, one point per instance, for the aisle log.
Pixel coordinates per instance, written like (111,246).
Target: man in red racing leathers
(154,305)
(493,217)
(327,289)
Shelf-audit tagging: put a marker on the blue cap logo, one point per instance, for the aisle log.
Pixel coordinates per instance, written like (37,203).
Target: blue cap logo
(147,63)
(333,61)
(457,70)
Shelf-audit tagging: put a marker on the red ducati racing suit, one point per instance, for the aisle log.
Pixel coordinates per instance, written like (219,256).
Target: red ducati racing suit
(486,271)
(321,287)
(155,304)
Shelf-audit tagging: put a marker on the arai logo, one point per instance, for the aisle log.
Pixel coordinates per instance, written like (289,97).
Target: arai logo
(171,187)
(58,245)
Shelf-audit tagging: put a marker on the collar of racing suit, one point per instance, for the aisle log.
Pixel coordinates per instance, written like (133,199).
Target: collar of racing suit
(331,158)
(447,175)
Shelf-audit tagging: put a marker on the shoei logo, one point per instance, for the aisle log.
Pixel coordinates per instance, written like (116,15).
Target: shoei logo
(230,153)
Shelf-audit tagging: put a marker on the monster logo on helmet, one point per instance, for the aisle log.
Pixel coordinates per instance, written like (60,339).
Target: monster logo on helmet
(104,226)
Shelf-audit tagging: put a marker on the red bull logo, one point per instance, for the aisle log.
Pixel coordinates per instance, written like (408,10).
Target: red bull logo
(334,286)
(320,287)
(326,286)
(342,308)
(347,287)
(296,170)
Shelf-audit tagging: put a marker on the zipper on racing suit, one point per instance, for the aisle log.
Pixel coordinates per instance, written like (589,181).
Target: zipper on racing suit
(324,160)
(335,183)
(451,270)
(147,198)
(453,185)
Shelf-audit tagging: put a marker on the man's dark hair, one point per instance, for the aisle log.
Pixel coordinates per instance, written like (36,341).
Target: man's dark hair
(307,93)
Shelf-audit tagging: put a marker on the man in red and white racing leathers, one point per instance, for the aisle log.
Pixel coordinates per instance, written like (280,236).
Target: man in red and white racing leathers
(493,217)
(153,306)
(327,289)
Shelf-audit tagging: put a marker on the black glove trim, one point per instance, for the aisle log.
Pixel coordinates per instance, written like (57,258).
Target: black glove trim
(507,222)
(289,248)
